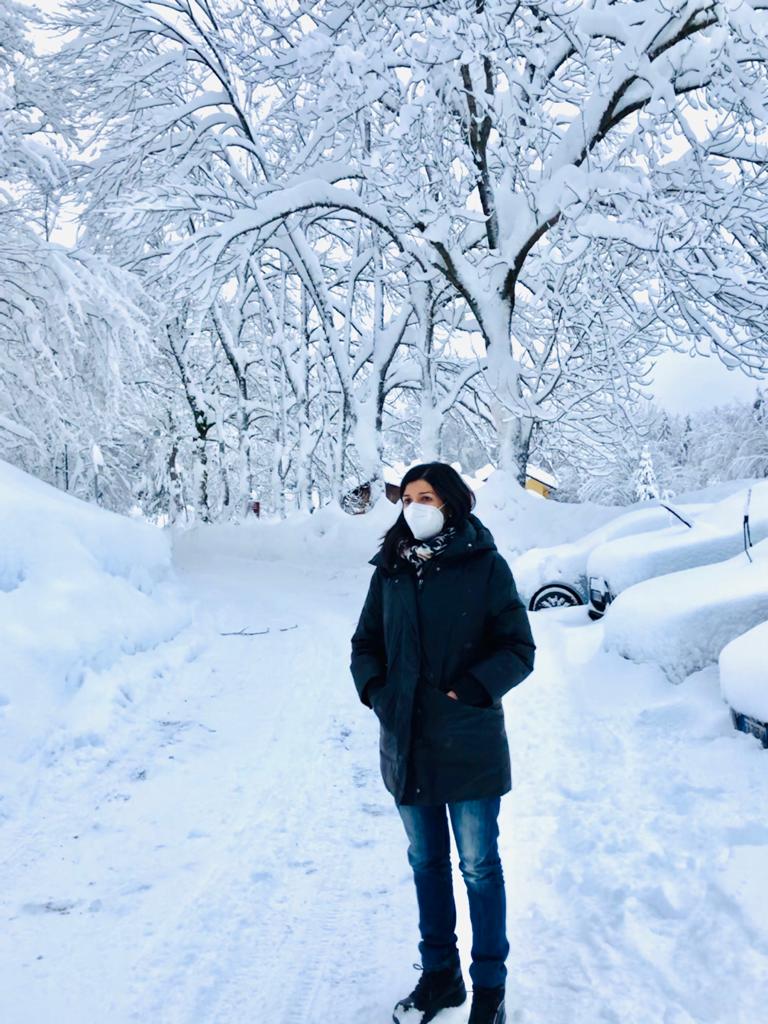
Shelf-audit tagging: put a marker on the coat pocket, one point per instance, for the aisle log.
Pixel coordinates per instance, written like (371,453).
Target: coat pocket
(383,702)
(452,723)
(483,708)
(464,752)
(375,692)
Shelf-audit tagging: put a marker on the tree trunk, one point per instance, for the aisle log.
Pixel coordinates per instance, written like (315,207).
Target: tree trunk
(176,509)
(506,400)
(431,418)
(201,467)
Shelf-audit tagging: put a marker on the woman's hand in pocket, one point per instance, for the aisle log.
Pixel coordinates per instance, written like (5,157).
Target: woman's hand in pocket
(467,690)
(372,688)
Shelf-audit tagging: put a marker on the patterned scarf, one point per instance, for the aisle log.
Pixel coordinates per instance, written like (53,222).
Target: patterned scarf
(418,552)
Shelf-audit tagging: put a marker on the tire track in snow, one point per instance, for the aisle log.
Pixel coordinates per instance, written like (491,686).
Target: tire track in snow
(259,936)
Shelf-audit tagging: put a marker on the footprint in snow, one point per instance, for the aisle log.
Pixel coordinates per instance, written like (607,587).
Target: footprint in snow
(51,907)
(261,876)
(377,810)
(361,777)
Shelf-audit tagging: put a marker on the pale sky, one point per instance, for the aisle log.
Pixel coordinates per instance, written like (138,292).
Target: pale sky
(682,383)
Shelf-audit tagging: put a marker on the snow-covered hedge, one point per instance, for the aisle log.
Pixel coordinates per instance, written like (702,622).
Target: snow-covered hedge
(744,672)
(81,590)
(683,620)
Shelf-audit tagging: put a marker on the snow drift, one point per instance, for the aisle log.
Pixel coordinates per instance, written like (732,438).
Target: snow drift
(517,518)
(82,591)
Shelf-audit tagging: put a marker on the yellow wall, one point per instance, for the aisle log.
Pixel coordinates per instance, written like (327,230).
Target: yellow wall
(536,485)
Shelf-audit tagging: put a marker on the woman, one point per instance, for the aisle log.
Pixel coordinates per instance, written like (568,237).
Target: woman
(441,638)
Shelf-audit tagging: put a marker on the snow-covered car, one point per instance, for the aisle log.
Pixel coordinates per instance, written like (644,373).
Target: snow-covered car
(714,534)
(557,576)
(683,620)
(744,681)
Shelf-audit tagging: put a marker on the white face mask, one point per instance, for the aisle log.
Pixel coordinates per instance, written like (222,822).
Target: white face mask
(424,520)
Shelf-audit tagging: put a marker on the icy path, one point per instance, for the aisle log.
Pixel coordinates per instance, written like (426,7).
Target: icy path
(231,856)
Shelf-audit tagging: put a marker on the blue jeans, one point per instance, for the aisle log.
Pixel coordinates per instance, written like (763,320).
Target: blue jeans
(476,831)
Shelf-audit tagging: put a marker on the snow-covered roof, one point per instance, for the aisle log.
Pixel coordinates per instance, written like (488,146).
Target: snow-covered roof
(484,472)
(537,473)
(392,475)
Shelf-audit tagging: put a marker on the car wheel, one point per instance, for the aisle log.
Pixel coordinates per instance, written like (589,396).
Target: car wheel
(555,595)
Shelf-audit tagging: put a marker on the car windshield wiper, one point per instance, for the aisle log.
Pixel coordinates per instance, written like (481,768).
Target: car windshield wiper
(745,526)
(677,515)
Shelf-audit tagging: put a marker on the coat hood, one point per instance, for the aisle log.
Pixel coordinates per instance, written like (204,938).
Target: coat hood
(472,538)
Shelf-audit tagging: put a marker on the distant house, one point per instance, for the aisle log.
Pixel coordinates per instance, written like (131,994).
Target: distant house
(536,479)
(540,481)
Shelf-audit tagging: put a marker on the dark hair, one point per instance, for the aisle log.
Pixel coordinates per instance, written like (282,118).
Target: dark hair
(458,497)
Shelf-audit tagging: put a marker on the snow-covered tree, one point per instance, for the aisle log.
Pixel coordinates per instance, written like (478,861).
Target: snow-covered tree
(646,487)
(71,326)
(687,452)
(315,235)
(490,148)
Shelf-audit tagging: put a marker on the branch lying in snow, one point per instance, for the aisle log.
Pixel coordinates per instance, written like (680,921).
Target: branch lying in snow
(258,632)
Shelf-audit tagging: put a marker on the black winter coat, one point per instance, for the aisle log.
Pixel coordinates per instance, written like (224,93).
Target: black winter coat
(462,628)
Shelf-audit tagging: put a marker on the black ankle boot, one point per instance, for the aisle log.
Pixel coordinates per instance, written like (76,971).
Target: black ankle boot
(487,1006)
(435,990)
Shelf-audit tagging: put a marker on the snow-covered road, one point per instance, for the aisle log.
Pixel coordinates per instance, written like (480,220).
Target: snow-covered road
(231,856)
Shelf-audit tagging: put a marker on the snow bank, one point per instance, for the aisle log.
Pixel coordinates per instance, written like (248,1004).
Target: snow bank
(518,519)
(521,519)
(329,536)
(716,492)
(716,535)
(683,620)
(81,589)
(744,673)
